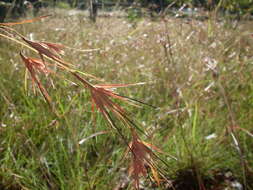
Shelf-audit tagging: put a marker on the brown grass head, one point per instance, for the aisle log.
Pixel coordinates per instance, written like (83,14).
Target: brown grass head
(34,66)
(142,159)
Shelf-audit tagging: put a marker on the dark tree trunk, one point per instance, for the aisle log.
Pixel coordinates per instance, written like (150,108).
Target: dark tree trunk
(4,7)
(93,10)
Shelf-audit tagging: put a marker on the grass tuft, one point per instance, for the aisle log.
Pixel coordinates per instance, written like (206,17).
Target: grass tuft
(196,74)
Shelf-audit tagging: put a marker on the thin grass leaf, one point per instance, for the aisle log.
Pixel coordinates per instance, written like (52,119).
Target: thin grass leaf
(117,85)
(24,21)
(91,136)
(244,130)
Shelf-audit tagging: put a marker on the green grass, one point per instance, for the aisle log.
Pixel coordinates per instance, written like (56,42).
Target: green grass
(40,151)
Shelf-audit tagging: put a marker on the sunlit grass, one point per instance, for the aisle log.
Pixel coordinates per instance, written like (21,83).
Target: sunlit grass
(197,73)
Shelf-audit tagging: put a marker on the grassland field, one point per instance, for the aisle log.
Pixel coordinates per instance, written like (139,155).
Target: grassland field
(197,74)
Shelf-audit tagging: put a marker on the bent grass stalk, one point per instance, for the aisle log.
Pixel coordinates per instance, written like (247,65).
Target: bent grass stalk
(101,96)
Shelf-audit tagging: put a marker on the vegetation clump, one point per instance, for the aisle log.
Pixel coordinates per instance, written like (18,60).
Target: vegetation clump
(191,78)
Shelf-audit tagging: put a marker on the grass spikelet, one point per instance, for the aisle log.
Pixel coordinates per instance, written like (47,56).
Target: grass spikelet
(49,50)
(44,49)
(142,158)
(57,48)
(101,97)
(33,66)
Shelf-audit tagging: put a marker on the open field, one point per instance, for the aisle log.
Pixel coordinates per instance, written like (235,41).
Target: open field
(198,75)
